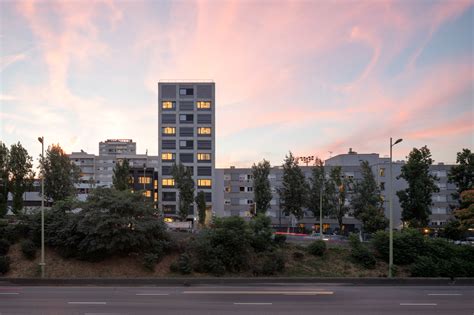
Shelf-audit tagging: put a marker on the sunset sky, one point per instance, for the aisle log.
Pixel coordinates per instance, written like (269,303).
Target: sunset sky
(312,77)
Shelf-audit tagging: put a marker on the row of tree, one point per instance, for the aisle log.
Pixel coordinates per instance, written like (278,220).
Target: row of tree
(366,203)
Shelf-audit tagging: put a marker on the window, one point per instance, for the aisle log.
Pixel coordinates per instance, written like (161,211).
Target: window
(155,196)
(227,177)
(186,157)
(203,105)
(204,131)
(169,196)
(382,172)
(168,105)
(382,186)
(441,186)
(249,177)
(167,156)
(227,201)
(186,144)
(242,188)
(204,144)
(249,201)
(144,180)
(227,189)
(168,144)
(204,171)
(204,156)
(169,130)
(167,182)
(147,193)
(186,91)
(204,183)
(186,118)
(249,189)
(155,184)
(168,119)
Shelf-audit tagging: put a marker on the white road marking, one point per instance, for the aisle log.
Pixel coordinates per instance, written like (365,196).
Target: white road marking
(9,293)
(447,294)
(262,292)
(152,294)
(91,303)
(253,303)
(418,304)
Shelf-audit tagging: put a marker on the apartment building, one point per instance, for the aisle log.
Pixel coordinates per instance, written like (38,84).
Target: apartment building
(186,134)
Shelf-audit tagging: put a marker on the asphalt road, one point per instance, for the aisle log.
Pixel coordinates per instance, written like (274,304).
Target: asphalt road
(266,299)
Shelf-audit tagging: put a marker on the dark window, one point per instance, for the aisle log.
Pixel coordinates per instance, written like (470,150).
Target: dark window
(204,144)
(168,91)
(208,196)
(204,171)
(186,131)
(186,144)
(169,209)
(168,119)
(186,105)
(186,91)
(186,118)
(169,196)
(382,186)
(204,91)
(166,170)
(168,144)
(204,118)
(242,188)
(186,157)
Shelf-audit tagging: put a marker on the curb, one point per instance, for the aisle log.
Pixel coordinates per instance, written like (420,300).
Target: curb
(235,281)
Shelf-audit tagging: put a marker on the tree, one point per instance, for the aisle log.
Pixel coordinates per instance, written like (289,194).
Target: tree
(316,183)
(294,189)
(462,174)
(59,174)
(465,214)
(4,155)
(21,174)
(367,202)
(261,186)
(201,206)
(121,176)
(336,193)
(185,184)
(416,199)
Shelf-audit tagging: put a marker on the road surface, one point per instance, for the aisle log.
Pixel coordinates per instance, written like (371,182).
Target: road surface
(256,299)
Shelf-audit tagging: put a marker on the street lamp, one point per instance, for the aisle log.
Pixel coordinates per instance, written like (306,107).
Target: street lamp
(42,263)
(321,208)
(390,256)
(306,159)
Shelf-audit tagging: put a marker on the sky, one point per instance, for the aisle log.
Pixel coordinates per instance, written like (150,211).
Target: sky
(313,77)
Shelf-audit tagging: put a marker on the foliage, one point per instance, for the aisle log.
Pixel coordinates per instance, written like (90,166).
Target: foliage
(150,260)
(298,255)
(4,264)
(367,202)
(269,264)
(317,182)
(201,206)
(336,193)
(59,173)
(279,239)
(185,184)
(261,233)
(465,215)
(360,254)
(20,174)
(111,223)
(407,245)
(4,156)
(4,246)
(416,199)
(317,248)
(261,186)
(462,174)
(121,178)
(184,264)
(424,267)
(13,232)
(452,230)
(28,248)
(293,192)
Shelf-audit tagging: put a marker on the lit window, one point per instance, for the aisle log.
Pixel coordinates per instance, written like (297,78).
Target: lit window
(382,172)
(147,193)
(203,105)
(227,189)
(167,156)
(155,196)
(155,184)
(204,156)
(169,130)
(204,131)
(167,182)
(168,105)
(204,183)
(144,180)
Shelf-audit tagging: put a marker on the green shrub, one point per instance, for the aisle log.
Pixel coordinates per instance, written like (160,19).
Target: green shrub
(360,254)
(261,239)
(4,246)
(407,245)
(298,255)
(4,264)
(424,267)
(317,248)
(269,264)
(184,264)
(149,261)
(279,239)
(28,248)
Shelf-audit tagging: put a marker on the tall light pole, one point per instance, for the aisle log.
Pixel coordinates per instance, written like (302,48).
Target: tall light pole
(321,208)
(42,263)
(390,255)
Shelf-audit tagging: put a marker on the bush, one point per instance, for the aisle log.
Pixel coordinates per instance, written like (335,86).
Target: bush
(184,264)
(28,248)
(174,266)
(4,246)
(269,264)
(424,267)
(317,248)
(360,254)
(279,239)
(149,261)
(4,264)
(298,255)
(260,227)
(407,245)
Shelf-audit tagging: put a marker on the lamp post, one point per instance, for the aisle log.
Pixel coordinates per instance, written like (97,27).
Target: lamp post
(42,263)
(390,256)
(321,208)
(306,159)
